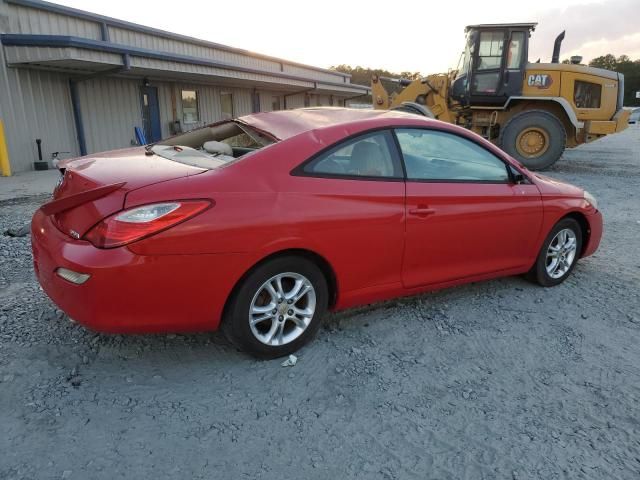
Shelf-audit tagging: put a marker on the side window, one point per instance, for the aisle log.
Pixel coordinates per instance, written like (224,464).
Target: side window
(366,156)
(430,155)
(587,94)
(516,47)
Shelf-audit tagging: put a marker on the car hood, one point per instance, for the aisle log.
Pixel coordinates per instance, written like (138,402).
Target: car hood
(552,186)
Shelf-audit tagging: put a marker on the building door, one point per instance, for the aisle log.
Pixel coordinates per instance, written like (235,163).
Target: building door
(150,114)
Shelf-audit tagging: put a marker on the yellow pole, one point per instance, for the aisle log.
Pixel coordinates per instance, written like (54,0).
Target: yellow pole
(5,167)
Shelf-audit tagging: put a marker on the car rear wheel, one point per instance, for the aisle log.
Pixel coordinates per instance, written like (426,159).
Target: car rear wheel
(277,308)
(559,254)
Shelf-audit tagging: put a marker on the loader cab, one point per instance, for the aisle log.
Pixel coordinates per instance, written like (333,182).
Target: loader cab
(493,64)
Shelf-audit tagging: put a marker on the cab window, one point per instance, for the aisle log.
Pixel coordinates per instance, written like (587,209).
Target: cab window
(490,51)
(515,51)
(435,156)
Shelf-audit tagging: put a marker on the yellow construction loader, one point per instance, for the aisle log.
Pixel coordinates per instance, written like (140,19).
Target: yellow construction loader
(533,111)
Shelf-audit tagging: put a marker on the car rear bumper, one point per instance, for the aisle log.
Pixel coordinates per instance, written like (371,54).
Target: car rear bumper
(130,293)
(595,233)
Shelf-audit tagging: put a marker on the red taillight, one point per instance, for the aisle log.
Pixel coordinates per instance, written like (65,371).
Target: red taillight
(140,222)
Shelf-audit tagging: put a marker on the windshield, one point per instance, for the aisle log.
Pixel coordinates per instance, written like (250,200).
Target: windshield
(213,146)
(465,58)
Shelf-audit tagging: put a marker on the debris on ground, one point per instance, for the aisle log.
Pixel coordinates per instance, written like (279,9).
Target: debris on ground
(290,361)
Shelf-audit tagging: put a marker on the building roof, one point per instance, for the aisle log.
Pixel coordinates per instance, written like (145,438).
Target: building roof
(110,21)
(87,45)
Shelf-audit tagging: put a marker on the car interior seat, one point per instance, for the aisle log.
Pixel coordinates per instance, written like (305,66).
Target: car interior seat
(217,148)
(367,159)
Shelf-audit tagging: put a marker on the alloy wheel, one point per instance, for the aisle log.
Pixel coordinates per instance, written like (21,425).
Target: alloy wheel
(561,253)
(282,309)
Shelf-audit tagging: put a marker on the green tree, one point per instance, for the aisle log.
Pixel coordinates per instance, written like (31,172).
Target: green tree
(629,68)
(362,76)
(607,62)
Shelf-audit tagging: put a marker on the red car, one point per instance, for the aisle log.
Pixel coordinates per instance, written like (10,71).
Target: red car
(259,225)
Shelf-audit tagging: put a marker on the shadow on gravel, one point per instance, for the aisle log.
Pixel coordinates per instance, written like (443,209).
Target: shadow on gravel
(213,348)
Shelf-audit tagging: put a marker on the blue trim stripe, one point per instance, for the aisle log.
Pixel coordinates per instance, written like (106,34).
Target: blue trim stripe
(63,41)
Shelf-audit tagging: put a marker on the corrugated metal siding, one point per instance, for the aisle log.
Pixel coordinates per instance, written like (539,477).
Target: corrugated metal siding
(154,42)
(166,107)
(110,111)
(266,100)
(35,104)
(31,20)
(295,101)
(224,73)
(320,101)
(17,55)
(242,102)
(304,72)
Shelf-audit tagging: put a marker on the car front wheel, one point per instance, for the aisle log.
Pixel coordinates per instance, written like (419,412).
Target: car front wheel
(559,254)
(277,308)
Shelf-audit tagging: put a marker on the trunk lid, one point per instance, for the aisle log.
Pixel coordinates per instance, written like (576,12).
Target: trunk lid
(95,186)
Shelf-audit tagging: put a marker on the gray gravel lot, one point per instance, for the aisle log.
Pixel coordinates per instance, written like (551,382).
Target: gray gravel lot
(502,379)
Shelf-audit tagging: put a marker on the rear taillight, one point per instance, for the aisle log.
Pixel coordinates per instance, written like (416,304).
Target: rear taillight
(140,222)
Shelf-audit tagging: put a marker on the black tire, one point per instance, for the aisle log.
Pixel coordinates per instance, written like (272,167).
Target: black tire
(538,272)
(415,108)
(540,119)
(235,324)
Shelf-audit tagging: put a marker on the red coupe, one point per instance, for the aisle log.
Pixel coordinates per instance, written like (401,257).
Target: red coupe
(259,225)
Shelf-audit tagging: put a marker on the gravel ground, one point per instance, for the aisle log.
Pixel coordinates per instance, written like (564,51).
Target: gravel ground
(501,379)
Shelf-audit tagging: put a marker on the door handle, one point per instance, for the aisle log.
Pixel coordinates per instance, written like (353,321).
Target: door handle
(421,211)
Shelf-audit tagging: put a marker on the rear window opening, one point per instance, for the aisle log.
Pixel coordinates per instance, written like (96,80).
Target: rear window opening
(212,147)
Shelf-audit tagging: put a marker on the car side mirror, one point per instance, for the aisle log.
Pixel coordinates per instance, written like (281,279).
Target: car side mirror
(517,177)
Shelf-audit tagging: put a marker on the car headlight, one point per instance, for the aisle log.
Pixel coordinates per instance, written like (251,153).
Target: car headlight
(591,200)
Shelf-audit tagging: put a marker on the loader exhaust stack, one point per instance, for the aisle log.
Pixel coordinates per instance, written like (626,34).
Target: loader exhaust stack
(556,48)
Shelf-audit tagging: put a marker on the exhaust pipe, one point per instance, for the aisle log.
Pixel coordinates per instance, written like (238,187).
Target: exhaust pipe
(556,48)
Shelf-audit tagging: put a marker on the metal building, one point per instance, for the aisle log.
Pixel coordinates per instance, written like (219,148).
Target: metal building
(82,82)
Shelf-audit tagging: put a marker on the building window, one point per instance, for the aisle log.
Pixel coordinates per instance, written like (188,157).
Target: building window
(190,112)
(275,103)
(587,94)
(226,104)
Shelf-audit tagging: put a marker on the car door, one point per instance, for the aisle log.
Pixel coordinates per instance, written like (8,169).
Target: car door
(351,205)
(465,216)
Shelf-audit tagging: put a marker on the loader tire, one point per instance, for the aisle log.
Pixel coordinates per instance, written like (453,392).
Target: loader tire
(535,138)
(415,108)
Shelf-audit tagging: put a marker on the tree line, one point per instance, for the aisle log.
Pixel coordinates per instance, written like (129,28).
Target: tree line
(622,64)
(629,68)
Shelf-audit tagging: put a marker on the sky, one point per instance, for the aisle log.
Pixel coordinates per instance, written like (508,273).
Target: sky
(410,35)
